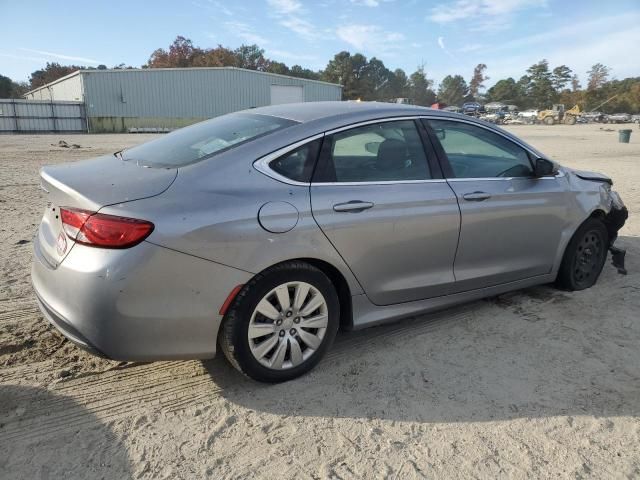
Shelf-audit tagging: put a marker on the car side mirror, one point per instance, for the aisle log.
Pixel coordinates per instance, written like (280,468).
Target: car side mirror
(543,167)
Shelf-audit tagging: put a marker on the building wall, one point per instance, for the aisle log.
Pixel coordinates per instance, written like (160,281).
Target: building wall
(172,98)
(120,100)
(69,89)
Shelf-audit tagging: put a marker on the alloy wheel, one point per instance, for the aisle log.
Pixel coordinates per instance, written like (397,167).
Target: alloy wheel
(287,325)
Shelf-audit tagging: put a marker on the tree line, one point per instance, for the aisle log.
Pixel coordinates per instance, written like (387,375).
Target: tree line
(369,79)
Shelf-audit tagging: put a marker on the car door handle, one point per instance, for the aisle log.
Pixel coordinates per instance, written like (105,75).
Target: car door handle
(476,196)
(354,206)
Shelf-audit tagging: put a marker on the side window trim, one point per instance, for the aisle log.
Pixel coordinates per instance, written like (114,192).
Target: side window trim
(262,164)
(444,160)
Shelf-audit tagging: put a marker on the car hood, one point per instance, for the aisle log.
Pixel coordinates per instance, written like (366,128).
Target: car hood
(591,176)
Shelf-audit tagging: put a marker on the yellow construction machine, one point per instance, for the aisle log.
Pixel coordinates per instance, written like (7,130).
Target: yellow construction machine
(559,115)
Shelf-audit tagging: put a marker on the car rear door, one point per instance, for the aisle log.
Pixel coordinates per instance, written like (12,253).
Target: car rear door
(383,204)
(511,222)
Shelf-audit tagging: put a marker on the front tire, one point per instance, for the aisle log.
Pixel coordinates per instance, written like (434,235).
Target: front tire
(584,257)
(281,323)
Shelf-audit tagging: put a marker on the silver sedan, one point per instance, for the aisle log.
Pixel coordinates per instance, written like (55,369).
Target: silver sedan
(266,231)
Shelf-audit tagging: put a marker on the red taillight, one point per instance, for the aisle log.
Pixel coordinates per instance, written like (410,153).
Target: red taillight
(100,230)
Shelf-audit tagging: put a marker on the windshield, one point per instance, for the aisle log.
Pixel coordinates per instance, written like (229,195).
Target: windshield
(202,140)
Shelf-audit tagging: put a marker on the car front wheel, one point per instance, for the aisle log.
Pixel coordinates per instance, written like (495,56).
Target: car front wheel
(281,323)
(584,257)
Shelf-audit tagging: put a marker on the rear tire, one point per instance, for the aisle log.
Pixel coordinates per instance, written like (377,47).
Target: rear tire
(274,331)
(584,257)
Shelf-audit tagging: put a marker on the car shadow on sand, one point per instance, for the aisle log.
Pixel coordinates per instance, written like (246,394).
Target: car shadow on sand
(537,352)
(47,436)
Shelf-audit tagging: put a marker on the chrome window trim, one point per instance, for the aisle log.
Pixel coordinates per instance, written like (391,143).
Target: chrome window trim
(485,127)
(477,179)
(262,164)
(371,122)
(379,182)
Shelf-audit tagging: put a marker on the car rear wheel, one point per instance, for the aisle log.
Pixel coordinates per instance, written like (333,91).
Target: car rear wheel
(281,323)
(584,257)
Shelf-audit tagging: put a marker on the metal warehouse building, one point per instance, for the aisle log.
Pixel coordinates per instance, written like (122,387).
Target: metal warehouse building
(160,98)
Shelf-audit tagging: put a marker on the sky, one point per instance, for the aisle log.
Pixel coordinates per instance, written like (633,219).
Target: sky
(448,37)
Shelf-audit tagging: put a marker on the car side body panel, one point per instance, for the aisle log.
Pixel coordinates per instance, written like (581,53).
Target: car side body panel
(215,228)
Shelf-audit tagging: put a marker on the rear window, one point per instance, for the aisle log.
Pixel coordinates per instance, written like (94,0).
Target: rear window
(205,139)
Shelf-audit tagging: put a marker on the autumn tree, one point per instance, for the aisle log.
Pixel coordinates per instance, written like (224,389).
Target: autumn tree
(50,73)
(575,83)
(477,81)
(597,76)
(181,54)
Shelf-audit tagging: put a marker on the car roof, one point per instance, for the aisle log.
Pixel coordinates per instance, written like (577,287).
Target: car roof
(344,111)
(317,117)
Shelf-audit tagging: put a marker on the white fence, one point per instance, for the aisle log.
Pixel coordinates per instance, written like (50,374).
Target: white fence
(33,116)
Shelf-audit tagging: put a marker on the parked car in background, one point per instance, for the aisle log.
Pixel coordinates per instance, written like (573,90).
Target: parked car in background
(264,231)
(528,116)
(598,117)
(635,118)
(619,118)
(472,108)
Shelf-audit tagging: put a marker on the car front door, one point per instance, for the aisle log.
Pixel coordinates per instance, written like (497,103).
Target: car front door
(511,222)
(380,199)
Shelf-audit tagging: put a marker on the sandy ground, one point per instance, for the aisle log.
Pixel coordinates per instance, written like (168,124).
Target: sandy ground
(536,383)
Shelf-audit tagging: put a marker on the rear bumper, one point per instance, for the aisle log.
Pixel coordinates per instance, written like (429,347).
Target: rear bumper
(139,304)
(66,328)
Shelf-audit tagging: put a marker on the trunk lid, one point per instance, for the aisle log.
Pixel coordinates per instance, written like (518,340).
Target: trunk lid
(91,185)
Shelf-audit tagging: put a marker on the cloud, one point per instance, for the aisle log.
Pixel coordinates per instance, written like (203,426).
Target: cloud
(291,55)
(222,9)
(299,25)
(490,14)
(370,38)
(290,14)
(245,32)
(24,57)
(442,46)
(61,56)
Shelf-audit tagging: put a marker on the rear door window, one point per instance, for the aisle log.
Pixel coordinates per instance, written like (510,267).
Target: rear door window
(381,152)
